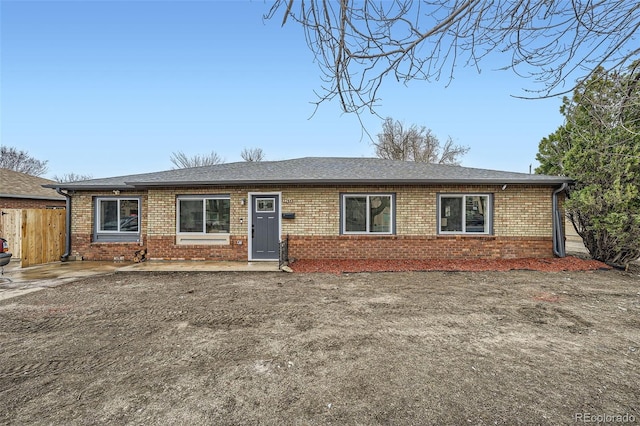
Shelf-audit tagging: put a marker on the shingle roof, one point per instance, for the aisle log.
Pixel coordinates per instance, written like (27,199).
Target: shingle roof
(318,170)
(21,185)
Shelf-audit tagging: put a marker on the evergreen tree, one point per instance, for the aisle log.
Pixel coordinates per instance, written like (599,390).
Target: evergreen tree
(599,147)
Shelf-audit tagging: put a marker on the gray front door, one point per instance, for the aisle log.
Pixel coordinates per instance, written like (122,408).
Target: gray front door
(265,227)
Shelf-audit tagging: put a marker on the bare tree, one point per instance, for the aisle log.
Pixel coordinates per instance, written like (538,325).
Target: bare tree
(182,161)
(358,44)
(397,142)
(252,154)
(71,177)
(21,161)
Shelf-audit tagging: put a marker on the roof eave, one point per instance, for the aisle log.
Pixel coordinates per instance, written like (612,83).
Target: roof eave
(129,186)
(72,187)
(539,182)
(32,197)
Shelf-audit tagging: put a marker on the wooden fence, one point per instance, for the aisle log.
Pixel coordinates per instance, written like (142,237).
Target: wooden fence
(10,229)
(35,236)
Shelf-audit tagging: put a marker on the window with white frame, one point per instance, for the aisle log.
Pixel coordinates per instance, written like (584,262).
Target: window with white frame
(204,214)
(118,215)
(464,213)
(367,213)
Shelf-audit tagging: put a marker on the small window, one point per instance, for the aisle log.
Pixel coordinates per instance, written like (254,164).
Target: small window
(464,214)
(204,214)
(367,213)
(265,205)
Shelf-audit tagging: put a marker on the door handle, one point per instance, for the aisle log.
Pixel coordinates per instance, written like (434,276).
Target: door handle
(253,231)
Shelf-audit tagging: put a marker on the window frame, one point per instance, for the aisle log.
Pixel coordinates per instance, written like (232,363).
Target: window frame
(488,217)
(203,198)
(368,196)
(118,235)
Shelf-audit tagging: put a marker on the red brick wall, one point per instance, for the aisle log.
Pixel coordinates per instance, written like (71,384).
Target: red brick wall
(413,247)
(338,247)
(81,245)
(158,248)
(164,248)
(28,203)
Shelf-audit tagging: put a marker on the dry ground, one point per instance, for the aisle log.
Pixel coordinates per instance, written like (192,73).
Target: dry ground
(519,347)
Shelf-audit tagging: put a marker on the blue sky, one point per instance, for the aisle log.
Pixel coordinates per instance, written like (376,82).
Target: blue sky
(107,88)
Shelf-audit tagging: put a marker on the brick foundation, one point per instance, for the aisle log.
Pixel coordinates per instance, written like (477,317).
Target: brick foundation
(415,247)
(339,247)
(158,248)
(164,248)
(81,246)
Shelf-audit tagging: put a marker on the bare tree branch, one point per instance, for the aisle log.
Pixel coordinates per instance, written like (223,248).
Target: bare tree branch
(71,177)
(556,43)
(21,161)
(182,161)
(396,142)
(252,154)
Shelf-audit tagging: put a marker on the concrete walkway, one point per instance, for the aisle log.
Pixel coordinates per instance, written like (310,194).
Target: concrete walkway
(17,281)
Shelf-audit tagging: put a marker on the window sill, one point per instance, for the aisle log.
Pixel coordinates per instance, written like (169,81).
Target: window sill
(372,235)
(465,235)
(115,237)
(203,240)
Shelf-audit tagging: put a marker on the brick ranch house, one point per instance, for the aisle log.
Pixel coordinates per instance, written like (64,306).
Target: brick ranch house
(328,208)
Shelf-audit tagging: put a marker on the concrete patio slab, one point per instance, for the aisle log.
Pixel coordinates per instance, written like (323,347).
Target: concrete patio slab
(17,281)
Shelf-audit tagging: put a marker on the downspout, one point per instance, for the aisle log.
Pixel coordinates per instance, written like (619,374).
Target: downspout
(67,240)
(558,234)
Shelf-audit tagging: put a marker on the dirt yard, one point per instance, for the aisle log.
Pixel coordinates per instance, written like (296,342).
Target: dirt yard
(518,347)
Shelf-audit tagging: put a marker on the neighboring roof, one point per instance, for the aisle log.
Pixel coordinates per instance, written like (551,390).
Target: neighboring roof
(21,185)
(317,170)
